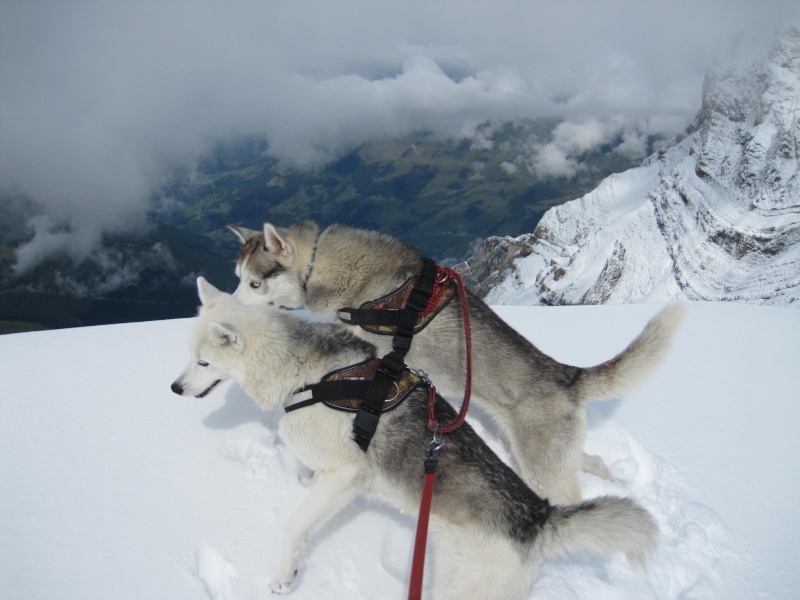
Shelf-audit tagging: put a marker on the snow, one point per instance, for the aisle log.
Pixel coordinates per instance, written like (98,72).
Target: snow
(113,487)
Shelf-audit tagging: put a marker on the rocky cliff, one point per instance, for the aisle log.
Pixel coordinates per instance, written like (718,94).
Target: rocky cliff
(714,216)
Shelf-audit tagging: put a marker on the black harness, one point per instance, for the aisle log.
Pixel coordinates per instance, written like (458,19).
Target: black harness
(403,312)
(392,365)
(396,314)
(345,389)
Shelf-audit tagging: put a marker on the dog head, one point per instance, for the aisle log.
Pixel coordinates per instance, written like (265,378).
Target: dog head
(215,348)
(267,268)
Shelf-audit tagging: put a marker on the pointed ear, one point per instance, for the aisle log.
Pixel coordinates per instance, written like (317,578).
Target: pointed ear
(243,233)
(274,242)
(207,292)
(223,334)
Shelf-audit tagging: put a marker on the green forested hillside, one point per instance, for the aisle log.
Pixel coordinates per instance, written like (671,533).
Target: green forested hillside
(440,195)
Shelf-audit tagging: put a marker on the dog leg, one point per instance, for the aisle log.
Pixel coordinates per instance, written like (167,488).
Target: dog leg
(330,492)
(596,466)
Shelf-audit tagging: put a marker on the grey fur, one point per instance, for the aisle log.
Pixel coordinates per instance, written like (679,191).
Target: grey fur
(490,530)
(536,401)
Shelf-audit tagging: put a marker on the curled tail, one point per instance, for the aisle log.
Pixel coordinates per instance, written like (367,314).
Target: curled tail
(633,365)
(601,526)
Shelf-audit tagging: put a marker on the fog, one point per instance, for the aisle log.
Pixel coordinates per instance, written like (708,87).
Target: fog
(100,101)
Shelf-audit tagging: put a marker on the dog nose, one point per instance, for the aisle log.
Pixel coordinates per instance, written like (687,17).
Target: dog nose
(177,388)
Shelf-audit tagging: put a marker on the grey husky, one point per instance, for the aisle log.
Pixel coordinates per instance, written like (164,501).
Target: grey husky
(536,401)
(490,531)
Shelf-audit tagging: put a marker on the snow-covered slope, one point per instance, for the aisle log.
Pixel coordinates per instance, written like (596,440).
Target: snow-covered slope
(715,216)
(113,487)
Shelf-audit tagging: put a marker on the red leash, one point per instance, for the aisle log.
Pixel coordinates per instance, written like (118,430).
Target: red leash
(445,275)
(420,542)
(462,414)
(432,462)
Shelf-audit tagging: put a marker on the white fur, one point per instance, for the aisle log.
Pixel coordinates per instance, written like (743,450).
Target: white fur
(271,353)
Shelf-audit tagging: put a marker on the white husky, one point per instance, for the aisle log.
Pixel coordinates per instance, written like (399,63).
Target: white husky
(537,402)
(490,530)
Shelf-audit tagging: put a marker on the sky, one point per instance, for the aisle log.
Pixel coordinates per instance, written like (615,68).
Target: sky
(100,101)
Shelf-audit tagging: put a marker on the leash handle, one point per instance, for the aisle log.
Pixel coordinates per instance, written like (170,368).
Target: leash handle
(421,540)
(462,414)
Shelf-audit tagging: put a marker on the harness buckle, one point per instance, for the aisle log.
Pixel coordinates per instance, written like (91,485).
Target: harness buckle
(401,344)
(364,426)
(392,365)
(367,419)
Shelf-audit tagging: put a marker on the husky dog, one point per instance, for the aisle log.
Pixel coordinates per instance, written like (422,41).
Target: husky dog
(536,401)
(492,529)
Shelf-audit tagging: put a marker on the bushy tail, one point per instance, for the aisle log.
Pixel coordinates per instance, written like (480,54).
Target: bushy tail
(629,368)
(601,526)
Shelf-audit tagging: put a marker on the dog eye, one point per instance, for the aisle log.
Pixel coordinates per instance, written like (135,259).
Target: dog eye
(255,284)
(277,270)
(202,363)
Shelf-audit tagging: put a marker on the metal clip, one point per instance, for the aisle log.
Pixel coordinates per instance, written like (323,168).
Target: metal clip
(422,375)
(435,445)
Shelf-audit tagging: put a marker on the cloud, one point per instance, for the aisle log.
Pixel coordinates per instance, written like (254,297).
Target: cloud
(552,161)
(562,156)
(634,144)
(509,168)
(100,101)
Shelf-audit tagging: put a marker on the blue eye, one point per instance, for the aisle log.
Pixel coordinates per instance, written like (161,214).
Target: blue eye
(202,363)
(255,284)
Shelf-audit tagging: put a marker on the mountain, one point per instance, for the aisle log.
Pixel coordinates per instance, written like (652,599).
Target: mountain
(714,216)
(114,488)
(442,195)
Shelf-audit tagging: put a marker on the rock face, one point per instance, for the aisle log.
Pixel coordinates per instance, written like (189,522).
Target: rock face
(715,216)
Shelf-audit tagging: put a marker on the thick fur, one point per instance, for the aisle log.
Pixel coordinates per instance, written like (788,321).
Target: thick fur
(536,401)
(490,530)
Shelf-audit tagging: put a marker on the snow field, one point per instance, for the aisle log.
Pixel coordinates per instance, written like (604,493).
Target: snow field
(113,487)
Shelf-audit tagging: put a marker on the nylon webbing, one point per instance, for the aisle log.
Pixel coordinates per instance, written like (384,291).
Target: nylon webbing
(391,368)
(330,391)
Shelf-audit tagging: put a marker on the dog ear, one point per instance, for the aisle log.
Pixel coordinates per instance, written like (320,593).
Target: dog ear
(223,334)
(207,292)
(243,233)
(274,242)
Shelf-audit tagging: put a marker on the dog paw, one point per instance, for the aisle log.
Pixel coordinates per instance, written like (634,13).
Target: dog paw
(597,466)
(281,585)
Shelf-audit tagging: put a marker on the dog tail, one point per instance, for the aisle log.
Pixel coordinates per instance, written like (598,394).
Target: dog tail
(601,526)
(632,366)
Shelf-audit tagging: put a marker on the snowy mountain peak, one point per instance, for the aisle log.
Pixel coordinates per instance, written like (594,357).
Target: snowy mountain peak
(715,216)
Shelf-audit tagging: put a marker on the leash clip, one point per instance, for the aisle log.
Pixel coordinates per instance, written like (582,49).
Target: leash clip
(443,277)
(435,445)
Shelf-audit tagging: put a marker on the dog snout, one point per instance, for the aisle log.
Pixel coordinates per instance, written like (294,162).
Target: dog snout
(177,388)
